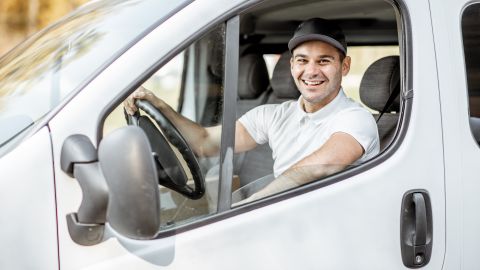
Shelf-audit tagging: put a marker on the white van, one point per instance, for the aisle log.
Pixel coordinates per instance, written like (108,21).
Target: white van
(81,187)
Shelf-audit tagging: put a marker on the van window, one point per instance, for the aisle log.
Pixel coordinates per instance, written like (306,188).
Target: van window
(471,42)
(191,83)
(265,82)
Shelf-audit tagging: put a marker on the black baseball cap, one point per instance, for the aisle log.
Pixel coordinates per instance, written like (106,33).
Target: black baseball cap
(319,29)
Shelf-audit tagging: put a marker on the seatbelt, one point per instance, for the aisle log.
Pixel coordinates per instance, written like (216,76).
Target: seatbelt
(391,98)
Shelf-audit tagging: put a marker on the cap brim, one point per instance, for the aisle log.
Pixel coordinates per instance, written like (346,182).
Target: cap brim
(294,42)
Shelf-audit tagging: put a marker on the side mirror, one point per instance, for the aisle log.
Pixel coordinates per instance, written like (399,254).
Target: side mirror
(125,158)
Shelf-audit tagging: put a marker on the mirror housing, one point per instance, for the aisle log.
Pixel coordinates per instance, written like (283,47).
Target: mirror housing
(78,159)
(126,160)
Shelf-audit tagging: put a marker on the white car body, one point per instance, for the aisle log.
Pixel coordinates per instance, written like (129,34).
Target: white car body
(351,224)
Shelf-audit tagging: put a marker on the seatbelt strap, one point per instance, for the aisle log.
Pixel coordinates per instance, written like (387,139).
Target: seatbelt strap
(390,100)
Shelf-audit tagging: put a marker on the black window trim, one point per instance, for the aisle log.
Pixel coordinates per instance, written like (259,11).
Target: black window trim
(466,7)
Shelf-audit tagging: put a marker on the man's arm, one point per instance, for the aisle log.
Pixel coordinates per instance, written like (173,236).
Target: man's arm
(204,141)
(340,150)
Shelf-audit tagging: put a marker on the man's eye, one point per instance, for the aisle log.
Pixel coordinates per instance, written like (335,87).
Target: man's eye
(301,60)
(324,61)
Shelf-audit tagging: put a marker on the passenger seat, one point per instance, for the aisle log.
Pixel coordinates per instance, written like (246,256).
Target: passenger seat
(379,81)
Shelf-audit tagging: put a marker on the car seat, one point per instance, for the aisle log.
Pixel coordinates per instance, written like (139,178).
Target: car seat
(380,82)
(253,82)
(258,162)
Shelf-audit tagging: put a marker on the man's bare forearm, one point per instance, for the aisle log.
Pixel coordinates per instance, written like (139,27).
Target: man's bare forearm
(294,177)
(204,141)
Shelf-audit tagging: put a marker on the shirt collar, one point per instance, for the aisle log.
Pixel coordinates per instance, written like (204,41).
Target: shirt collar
(322,114)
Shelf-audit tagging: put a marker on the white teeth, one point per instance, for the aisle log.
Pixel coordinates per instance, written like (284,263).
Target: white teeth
(312,83)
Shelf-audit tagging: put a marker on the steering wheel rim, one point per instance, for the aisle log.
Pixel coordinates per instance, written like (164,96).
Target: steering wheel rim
(171,133)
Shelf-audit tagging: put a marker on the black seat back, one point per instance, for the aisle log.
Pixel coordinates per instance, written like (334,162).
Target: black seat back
(258,162)
(378,83)
(253,82)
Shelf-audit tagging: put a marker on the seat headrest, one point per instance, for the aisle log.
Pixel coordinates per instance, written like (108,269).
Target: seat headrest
(253,77)
(282,82)
(379,81)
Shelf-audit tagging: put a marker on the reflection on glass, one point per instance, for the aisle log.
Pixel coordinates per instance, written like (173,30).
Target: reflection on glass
(38,74)
(269,185)
(190,86)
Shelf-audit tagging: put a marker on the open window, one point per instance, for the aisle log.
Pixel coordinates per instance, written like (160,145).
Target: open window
(197,84)
(371,31)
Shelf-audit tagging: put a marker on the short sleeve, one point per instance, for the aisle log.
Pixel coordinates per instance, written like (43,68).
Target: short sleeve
(257,122)
(360,124)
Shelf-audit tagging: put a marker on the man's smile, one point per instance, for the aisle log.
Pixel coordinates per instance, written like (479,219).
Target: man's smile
(313,82)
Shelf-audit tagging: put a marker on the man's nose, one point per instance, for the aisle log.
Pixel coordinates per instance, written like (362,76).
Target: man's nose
(312,69)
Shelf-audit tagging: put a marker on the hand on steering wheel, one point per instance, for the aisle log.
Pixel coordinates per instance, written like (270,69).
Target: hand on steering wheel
(170,171)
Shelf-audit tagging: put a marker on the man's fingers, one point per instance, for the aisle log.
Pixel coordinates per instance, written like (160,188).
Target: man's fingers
(129,105)
(140,93)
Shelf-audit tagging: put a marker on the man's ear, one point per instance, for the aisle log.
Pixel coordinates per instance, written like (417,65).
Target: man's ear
(291,63)
(346,65)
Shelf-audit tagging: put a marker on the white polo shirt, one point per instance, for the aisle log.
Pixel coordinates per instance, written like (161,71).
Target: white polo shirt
(294,134)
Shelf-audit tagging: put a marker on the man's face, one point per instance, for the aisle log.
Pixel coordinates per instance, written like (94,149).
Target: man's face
(317,71)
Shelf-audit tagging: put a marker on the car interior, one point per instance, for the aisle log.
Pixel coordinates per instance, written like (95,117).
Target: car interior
(372,29)
(267,28)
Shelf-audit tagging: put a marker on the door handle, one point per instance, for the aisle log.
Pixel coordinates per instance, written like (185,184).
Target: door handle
(420,234)
(416,229)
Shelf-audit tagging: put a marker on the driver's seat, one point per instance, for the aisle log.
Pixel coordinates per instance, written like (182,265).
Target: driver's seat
(258,162)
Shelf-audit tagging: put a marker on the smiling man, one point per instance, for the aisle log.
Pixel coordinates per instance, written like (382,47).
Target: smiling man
(318,134)
(323,131)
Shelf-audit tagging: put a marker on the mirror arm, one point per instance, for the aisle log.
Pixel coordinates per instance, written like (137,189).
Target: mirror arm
(79,160)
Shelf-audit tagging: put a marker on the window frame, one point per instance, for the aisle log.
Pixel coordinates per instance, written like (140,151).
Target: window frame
(224,209)
(406,98)
(466,61)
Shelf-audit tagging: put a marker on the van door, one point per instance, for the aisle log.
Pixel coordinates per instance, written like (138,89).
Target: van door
(455,27)
(27,201)
(388,213)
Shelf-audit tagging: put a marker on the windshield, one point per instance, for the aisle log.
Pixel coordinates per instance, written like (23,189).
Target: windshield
(39,73)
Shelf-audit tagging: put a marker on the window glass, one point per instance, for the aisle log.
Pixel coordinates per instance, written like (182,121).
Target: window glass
(471,42)
(191,84)
(39,73)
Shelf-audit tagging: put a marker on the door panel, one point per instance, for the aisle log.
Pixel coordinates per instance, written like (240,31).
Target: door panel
(352,224)
(461,150)
(27,198)
(82,115)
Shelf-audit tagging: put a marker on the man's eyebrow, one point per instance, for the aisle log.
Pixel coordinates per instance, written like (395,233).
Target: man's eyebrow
(326,56)
(300,56)
(318,57)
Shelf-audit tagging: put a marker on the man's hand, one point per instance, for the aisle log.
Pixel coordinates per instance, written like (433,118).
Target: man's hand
(141,93)
(203,141)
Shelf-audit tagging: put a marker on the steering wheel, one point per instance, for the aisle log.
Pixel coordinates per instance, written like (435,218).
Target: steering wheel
(170,171)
